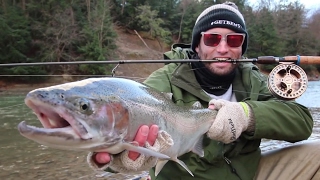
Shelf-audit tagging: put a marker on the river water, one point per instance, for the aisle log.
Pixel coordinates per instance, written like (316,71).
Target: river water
(21,158)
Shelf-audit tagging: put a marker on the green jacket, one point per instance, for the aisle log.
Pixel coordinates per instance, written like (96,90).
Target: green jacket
(275,119)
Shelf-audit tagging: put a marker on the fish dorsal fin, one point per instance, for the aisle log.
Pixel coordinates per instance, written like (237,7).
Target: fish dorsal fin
(144,151)
(167,95)
(159,166)
(198,147)
(197,105)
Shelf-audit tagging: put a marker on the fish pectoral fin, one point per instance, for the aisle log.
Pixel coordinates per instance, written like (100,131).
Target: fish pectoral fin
(144,151)
(183,165)
(159,166)
(198,147)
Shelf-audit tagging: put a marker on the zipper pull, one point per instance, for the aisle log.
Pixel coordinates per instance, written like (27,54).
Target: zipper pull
(228,161)
(233,170)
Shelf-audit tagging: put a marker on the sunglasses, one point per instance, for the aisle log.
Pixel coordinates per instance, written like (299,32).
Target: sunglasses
(214,39)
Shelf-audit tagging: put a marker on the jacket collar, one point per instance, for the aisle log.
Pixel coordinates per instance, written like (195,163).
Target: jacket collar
(184,78)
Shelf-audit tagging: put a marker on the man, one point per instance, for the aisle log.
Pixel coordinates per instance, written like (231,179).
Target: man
(247,110)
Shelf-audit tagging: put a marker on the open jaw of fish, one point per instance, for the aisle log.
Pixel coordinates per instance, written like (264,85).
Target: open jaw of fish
(59,127)
(62,131)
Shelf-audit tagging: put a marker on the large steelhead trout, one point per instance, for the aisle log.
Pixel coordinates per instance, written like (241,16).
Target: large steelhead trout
(104,114)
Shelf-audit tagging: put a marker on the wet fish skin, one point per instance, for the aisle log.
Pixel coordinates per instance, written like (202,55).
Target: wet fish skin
(104,114)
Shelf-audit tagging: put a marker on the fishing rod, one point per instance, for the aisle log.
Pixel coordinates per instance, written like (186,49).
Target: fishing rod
(260,60)
(120,62)
(289,59)
(287,81)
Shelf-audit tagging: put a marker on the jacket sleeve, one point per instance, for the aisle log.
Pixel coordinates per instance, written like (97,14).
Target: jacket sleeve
(278,119)
(160,79)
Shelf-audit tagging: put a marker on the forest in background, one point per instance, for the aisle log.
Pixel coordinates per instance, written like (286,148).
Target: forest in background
(77,30)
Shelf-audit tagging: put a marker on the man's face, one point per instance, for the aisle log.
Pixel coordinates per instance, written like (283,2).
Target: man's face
(221,51)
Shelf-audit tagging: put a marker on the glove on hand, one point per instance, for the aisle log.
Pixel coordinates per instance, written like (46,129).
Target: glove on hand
(232,119)
(123,164)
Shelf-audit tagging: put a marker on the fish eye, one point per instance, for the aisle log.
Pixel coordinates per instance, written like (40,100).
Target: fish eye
(84,106)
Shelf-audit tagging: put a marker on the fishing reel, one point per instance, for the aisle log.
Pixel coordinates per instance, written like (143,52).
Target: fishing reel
(287,81)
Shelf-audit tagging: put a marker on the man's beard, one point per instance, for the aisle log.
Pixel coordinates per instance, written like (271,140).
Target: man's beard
(221,72)
(216,70)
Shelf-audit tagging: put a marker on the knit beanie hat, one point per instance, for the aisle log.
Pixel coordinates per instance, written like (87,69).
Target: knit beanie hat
(224,15)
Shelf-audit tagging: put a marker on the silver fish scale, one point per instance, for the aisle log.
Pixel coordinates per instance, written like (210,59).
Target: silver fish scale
(148,106)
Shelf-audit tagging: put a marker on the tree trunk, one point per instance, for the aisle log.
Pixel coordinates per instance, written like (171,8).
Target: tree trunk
(123,4)
(88,9)
(23,5)
(4,6)
(180,27)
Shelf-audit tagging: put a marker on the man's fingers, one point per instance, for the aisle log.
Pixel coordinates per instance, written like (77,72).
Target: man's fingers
(102,158)
(211,106)
(141,138)
(216,104)
(153,134)
(144,134)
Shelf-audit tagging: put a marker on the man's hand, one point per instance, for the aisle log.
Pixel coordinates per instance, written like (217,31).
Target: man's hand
(132,162)
(232,119)
(144,134)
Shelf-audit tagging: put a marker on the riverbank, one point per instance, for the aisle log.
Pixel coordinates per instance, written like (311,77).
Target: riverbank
(22,88)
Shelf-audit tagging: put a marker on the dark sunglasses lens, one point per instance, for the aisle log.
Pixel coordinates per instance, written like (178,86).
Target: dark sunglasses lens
(211,39)
(234,40)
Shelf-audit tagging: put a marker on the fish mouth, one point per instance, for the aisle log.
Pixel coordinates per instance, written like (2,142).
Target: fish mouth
(56,121)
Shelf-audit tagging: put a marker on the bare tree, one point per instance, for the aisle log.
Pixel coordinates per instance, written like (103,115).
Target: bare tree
(123,4)
(184,6)
(23,5)
(88,2)
(314,24)
(4,7)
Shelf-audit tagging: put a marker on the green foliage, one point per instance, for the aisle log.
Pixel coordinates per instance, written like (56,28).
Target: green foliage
(99,38)
(124,12)
(308,68)
(60,31)
(191,13)
(92,69)
(24,74)
(267,67)
(15,37)
(15,42)
(148,21)
(263,36)
(77,31)
(95,49)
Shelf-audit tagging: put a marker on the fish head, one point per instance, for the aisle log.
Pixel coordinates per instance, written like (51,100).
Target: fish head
(76,116)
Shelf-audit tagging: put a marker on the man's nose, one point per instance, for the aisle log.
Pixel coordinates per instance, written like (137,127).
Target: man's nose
(223,46)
